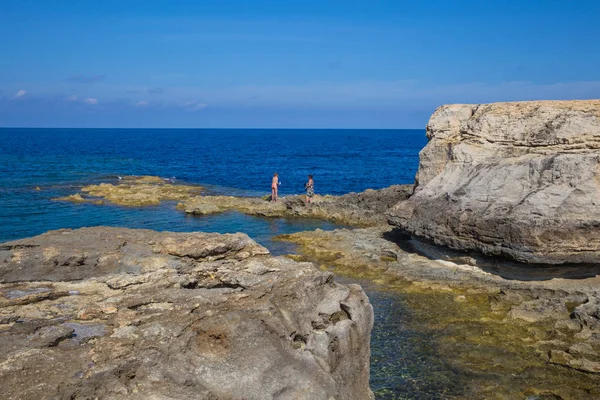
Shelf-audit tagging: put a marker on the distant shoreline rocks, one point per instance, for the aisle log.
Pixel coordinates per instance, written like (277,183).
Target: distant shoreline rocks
(134,191)
(367,208)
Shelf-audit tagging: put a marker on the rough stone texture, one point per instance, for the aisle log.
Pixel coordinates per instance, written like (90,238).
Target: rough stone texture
(119,313)
(367,208)
(134,191)
(561,315)
(519,180)
(568,360)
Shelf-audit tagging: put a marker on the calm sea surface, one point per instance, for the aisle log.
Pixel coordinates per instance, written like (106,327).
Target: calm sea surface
(239,162)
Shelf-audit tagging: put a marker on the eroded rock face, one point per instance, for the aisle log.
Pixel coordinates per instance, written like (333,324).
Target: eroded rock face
(510,179)
(367,208)
(120,313)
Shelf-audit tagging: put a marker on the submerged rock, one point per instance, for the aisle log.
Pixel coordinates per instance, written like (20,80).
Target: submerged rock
(121,313)
(134,191)
(482,310)
(510,179)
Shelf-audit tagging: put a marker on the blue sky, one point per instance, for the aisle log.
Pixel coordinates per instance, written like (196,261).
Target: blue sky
(296,64)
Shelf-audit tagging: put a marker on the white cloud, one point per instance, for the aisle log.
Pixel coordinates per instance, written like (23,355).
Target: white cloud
(20,93)
(197,107)
(408,95)
(72,98)
(194,106)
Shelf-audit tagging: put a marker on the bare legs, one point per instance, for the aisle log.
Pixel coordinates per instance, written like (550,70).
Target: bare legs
(274,193)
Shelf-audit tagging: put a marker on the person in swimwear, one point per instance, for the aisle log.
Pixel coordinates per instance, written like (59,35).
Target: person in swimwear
(310,189)
(274,186)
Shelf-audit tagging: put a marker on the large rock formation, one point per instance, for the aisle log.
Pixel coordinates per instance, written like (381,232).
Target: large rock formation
(520,180)
(120,313)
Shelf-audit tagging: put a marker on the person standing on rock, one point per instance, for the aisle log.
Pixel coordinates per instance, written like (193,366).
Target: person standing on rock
(310,189)
(274,185)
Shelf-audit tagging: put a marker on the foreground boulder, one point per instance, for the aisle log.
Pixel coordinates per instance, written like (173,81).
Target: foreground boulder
(120,313)
(512,179)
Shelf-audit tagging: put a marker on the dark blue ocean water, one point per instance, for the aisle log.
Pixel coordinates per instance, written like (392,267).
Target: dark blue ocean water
(60,161)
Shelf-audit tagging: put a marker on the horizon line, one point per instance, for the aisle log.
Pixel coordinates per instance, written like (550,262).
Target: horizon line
(157,128)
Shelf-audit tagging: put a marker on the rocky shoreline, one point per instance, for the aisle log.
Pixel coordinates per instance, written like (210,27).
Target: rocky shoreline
(557,319)
(550,324)
(367,208)
(120,313)
(358,209)
(496,249)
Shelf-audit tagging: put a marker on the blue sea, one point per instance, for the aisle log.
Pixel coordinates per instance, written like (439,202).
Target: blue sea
(238,162)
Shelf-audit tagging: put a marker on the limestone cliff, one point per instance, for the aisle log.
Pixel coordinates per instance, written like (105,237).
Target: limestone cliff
(520,180)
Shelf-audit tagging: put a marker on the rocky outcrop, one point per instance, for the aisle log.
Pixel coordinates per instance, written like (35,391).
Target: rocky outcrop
(486,324)
(519,180)
(120,313)
(363,209)
(367,208)
(134,191)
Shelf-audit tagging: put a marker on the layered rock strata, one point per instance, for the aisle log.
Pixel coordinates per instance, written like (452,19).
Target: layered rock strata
(136,314)
(519,180)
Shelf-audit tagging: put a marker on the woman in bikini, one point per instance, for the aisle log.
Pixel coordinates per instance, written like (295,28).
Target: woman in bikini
(310,189)
(274,185)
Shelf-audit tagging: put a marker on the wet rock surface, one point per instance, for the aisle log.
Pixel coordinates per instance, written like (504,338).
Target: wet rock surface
(367,208)
(120,313)
(518,180)
(507,338)
(134,191)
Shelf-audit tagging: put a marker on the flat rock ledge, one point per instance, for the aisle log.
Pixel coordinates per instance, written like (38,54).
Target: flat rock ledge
(120,313)
(134,191)
(518,180)
(367,208)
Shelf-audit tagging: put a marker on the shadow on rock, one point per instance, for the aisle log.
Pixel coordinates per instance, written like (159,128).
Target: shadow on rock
(499,266)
